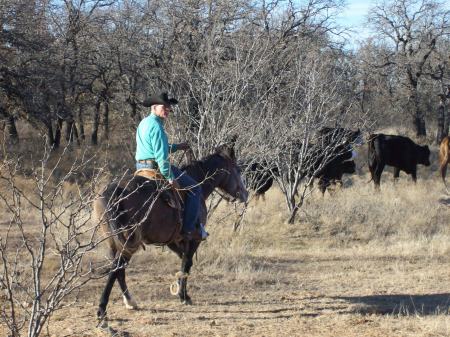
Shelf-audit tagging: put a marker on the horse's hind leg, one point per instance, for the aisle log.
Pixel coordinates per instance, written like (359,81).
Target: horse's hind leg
(104,299)
(128,300)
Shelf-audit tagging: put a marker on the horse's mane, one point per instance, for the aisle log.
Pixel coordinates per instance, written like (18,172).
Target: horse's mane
(200,163)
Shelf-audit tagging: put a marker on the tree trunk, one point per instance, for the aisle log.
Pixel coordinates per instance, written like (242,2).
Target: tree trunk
(94,135)
(71,132)
(11,130)
(57,140)
(440,134)
(81,123)
(75,133)
(134,112)
(50,137)
(292,216)
(413,106)
(293,207)
(419,121)
(446,120)
(106,121)
(423,129)
(194,114)
(9,126)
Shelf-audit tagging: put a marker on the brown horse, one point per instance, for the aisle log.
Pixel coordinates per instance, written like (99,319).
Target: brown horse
(139,212)
(444,157)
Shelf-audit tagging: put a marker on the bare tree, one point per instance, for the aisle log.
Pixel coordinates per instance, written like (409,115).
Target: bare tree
(312,101)
(412,29)
(45,245)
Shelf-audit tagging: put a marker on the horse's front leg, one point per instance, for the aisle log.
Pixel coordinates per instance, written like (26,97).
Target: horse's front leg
(186,264)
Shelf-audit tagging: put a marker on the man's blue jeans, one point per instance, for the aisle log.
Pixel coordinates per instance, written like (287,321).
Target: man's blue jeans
(193,195)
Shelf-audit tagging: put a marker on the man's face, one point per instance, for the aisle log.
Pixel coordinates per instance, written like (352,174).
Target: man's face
(161,110)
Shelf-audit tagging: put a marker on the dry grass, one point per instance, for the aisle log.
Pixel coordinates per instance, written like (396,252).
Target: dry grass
(356,263)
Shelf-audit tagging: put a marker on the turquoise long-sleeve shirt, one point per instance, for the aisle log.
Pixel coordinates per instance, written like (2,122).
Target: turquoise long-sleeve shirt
(152,143)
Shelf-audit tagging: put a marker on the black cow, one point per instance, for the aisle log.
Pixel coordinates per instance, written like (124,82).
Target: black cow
(333,174)
(397,151)
(335,154)
(330,157)
(334,136)
(259,177)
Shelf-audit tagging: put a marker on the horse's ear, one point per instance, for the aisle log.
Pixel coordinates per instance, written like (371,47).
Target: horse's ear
(226,151)
(190,157)
(233,140)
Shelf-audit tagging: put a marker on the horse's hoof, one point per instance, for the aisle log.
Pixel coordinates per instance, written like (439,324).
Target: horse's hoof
(187,301)
(102,320)
(101,315)
(103,325)
(105,328)
(130,304)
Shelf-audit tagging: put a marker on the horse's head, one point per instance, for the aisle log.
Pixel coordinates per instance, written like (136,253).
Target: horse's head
(230,174)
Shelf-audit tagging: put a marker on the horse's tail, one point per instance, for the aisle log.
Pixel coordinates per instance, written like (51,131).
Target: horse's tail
(444,157)
(106,213)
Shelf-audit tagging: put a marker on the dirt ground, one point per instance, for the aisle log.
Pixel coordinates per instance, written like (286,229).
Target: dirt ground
(346,294)
(363,266)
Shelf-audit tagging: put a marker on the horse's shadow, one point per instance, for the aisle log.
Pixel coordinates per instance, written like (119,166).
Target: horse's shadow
(400,304)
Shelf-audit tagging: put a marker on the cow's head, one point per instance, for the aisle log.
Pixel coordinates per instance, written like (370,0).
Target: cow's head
(358,139)
(423,155)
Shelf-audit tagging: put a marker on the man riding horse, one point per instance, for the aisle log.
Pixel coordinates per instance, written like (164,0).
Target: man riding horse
(152,152)
(134,211)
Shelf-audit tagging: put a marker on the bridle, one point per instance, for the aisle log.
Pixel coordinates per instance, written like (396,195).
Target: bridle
(190,155)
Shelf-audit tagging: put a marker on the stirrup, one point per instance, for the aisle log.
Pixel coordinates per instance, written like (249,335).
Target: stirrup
(192,236)
(203,232)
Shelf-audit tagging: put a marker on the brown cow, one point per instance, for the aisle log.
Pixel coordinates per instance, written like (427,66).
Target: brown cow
(444,157)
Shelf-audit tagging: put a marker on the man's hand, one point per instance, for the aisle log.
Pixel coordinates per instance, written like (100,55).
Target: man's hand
(183,146)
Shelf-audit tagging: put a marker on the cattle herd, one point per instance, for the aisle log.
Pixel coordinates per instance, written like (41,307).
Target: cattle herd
(328,168)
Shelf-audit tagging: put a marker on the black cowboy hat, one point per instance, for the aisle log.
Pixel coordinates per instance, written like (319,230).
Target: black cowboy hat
(161,98)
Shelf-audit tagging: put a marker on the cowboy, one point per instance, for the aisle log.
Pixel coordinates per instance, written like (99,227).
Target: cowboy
(152,152)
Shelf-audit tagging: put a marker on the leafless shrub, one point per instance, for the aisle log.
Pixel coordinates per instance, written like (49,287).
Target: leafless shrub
(46,243)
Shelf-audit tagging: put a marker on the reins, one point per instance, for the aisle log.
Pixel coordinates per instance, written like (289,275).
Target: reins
(190,156)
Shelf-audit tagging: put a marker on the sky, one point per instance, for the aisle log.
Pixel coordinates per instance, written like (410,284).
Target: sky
(354,17)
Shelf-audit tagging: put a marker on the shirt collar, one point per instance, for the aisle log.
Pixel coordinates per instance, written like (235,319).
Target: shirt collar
(153,116)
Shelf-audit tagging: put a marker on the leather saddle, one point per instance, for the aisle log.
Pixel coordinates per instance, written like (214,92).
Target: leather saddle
(171,196)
